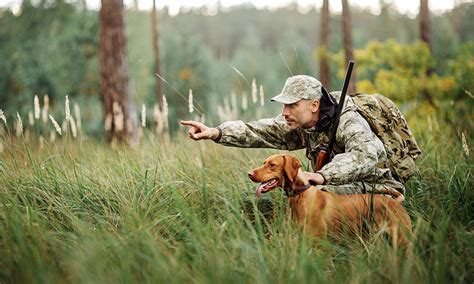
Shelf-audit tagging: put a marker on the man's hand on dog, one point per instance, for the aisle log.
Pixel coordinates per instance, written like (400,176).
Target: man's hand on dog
(314,178)
(199,131)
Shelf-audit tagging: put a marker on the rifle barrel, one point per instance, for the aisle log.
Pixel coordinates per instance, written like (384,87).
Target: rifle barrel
(340,106)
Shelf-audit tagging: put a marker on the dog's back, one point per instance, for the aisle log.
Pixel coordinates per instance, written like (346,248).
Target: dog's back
(353,213)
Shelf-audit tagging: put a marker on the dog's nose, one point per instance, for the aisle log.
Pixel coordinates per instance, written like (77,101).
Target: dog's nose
(251,174)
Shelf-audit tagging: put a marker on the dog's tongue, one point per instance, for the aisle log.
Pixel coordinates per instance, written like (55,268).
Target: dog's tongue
(259,188)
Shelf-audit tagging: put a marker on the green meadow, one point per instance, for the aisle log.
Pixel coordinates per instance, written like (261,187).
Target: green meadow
(81,211)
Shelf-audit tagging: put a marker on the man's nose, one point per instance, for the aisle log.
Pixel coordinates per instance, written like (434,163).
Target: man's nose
(285,111)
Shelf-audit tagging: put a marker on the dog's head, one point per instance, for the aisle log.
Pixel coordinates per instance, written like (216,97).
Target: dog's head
(277,170)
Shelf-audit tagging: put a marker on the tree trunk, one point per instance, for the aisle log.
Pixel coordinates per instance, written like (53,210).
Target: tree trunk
(159,91)
(425,23)
(156,52)
(324,45)
(347,34)
(425,34)
(425,28)
(115,89)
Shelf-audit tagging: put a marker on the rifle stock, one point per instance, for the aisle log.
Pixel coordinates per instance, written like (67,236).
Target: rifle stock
(322,159)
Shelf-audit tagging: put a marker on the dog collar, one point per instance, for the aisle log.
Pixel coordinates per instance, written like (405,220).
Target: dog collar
(297,191)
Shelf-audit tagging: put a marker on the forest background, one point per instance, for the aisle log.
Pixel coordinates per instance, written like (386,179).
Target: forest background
(51,47)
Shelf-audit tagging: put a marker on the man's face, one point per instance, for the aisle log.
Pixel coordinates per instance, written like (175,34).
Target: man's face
(303,113)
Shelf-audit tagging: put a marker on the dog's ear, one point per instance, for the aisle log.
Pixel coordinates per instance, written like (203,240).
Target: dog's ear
(291,167)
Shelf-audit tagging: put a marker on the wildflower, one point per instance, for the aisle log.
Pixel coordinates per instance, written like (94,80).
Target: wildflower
(254,91)
(2,117)
(190,100)
(262,96)
(143,116)
(56,125)
(67,109)
(464,144)
(19,125)
(37,107)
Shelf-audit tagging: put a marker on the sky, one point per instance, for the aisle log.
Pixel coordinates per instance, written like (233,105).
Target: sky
(404,6)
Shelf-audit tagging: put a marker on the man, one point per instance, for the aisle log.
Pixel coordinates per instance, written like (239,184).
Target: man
(305,122)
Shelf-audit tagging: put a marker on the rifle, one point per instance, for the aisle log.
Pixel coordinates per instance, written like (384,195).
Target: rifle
(325,152)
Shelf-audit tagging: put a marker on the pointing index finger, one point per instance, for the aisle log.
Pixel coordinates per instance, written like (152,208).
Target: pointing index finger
(188,122)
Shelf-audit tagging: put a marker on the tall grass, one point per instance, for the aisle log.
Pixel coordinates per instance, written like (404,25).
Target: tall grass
(186,212)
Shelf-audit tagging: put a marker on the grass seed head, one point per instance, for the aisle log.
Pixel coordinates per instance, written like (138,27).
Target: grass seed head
(244,101)
(65,126)
(165,106)
(464,144)
(254,91)
(190,101)
(143,116)
(262,96)
(3,117)
(55,124)
(44,112)
(19,125)
(37,107)
(52,135)
(67,109)
(73,127)
(77,114)
(31,119)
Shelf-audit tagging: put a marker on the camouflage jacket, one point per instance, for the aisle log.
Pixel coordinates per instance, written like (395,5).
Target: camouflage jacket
(357,153)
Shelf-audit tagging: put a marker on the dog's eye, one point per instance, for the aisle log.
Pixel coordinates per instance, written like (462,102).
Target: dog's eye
(272,165)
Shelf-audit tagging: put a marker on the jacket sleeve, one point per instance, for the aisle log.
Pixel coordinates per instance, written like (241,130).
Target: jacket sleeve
(263,133)
(363,150)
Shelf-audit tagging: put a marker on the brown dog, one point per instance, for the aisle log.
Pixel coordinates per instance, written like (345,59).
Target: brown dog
(321,212)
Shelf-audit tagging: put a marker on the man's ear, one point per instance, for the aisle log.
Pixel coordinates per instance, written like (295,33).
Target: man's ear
(315,104)
(291,167)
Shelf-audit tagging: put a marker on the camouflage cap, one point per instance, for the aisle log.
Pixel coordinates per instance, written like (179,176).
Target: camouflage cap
(299,87)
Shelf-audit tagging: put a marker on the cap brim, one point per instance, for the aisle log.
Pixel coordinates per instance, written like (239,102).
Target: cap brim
(281,98)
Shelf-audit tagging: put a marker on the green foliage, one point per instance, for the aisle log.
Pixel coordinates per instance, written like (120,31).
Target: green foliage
(462,69)
(399,71)
(47,49)
(187,67)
